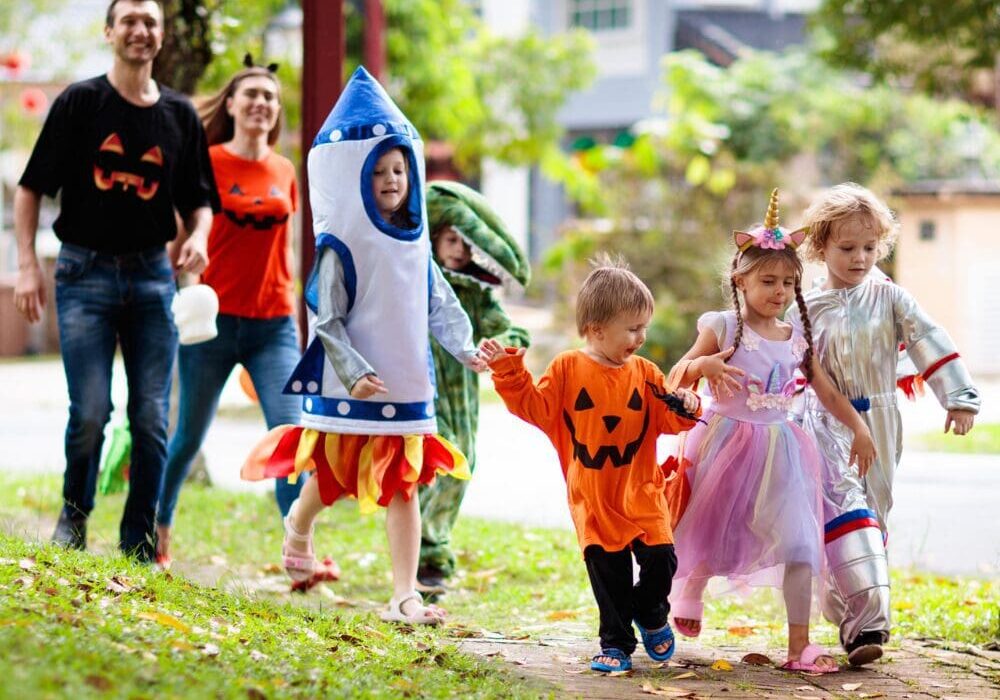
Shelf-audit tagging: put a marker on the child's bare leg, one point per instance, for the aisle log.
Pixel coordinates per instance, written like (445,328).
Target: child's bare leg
(694,589)
(402,526)
(306,507)
(797,591)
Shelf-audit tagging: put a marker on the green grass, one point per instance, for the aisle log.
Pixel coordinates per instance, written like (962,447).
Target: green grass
(63,633)
(984,439)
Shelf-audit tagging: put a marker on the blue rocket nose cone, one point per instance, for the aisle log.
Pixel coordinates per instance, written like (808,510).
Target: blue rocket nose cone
(364,110)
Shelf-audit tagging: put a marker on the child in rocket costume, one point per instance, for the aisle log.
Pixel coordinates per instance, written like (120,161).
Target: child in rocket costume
(859,321)
(368,425)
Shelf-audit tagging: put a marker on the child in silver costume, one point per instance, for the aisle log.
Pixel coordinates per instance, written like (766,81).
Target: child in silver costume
(859,320)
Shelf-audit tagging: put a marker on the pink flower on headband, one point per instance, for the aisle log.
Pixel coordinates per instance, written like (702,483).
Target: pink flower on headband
(772,238)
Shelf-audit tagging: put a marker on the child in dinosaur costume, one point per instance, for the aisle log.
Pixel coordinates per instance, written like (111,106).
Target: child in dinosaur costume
(477,256)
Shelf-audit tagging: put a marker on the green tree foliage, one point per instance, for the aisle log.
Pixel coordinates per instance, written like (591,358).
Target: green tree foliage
(726,136)
(935,44)
(488,96)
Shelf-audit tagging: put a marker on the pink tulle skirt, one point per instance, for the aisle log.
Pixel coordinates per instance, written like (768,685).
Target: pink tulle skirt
(755,503)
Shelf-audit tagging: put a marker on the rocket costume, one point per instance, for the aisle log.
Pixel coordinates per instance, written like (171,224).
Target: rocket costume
(375,292)
(857,333)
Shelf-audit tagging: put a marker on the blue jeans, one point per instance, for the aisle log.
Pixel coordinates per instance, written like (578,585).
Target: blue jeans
(269,350)
(103,300)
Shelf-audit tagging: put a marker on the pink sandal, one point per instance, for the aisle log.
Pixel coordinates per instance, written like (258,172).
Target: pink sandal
(326,570)
(807,661)
(687,610)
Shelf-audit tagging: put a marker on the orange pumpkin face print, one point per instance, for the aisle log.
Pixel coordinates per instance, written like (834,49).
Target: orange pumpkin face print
(110,169)
(633,420)
(262,213)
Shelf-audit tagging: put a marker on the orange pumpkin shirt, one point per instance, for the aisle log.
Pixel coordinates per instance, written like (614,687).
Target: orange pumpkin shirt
(603,422)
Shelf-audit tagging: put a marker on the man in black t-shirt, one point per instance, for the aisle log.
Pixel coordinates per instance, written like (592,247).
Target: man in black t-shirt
(125,154)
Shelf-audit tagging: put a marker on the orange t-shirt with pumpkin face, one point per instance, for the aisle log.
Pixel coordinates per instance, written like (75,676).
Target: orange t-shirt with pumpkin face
(603,422)
(249,260)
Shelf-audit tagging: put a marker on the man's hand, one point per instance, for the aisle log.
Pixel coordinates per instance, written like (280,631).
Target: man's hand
(960,422)
(193,256)
(29,292)
(368,386)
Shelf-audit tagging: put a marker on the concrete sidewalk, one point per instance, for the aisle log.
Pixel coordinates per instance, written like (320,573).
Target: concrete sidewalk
(941,500)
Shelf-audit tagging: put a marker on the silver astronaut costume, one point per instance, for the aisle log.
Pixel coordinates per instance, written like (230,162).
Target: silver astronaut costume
(857,333)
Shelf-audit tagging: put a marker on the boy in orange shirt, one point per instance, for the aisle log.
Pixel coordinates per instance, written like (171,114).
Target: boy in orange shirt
(603,408)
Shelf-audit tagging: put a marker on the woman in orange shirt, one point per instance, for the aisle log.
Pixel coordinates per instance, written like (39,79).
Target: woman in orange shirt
(250,270)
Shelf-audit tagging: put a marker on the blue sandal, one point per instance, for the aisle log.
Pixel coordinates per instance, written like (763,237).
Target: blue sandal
(651,640)
(624,661)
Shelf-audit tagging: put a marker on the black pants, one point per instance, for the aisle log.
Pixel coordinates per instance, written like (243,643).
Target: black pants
(619,600)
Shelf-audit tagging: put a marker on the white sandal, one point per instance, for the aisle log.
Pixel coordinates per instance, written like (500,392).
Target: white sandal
(424,615)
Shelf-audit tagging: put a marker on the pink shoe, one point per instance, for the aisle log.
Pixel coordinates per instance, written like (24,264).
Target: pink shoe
(807,661)
(687,610)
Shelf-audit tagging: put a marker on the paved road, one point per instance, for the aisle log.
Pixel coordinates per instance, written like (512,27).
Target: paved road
(944,519)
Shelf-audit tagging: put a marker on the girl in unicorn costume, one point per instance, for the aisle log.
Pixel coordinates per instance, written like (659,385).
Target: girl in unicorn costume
(747,492)
(368,425)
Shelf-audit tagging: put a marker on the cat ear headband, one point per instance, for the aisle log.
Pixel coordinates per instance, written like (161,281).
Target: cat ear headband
(770,235)
(248,62)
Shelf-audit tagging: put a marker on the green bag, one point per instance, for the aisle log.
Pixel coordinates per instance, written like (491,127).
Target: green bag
(114,467)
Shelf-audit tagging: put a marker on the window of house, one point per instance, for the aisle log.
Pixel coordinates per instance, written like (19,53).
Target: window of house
(600,15)
(928,230)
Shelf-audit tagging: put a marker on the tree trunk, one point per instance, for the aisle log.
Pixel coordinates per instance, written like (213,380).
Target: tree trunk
(187,49)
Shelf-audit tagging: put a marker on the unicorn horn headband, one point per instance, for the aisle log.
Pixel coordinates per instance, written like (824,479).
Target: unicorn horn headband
(770,235)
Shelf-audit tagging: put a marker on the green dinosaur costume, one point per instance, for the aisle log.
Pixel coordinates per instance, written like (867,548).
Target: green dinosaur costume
(496,261)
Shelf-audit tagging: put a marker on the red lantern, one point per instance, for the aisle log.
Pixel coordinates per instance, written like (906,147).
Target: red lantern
(15,62)
(34,101)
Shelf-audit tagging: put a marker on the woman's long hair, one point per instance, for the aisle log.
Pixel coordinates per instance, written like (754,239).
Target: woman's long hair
(219,126)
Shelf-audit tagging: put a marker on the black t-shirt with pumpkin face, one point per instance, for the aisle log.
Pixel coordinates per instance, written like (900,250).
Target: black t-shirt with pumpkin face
(121,169)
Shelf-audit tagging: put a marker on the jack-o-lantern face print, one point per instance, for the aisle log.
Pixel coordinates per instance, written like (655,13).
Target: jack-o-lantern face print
(261,213)
(616,437)
(114,167)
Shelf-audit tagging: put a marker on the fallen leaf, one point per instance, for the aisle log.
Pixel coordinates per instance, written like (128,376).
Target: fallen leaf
(25,581)
(873,695)
(99,682)
(494,652)
(568,659)
(621,673)
(118,584)
(272,568)
(164,619)
(721,665)
(740,631)
(181,645)
(556,615)
(757,660)
(851,686)
(256,694)
(682,676)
